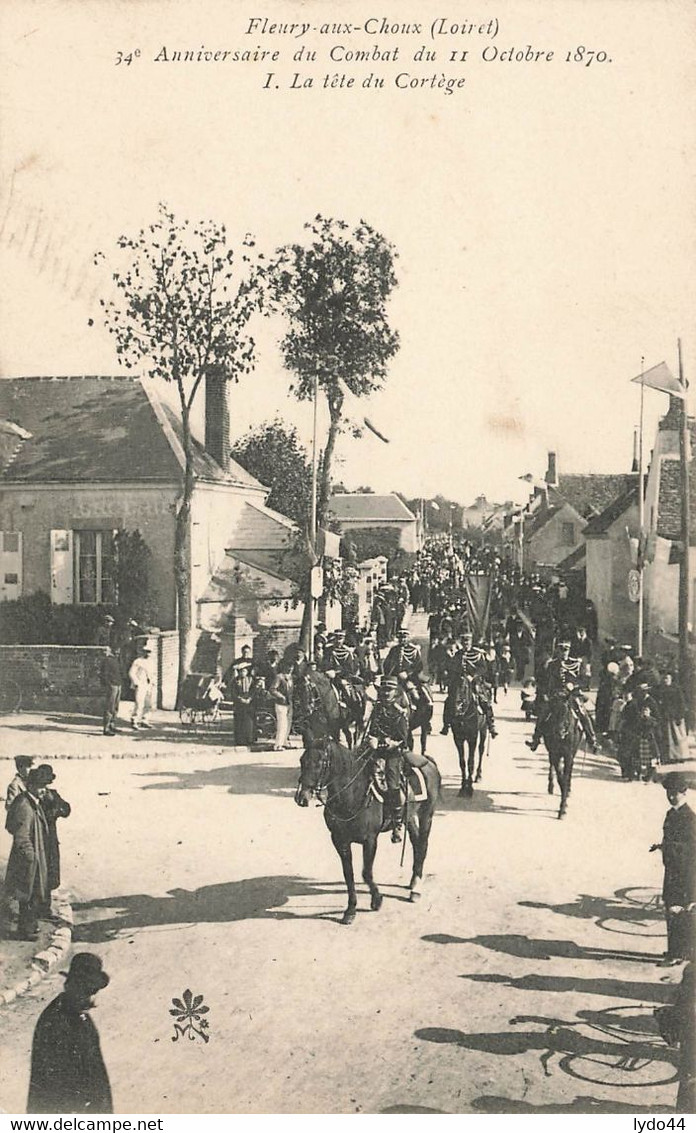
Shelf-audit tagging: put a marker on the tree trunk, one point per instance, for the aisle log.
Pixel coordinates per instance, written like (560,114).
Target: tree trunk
(182,562)
(324,494)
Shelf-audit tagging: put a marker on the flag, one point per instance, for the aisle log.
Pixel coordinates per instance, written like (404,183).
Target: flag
(353,412)
(661,377)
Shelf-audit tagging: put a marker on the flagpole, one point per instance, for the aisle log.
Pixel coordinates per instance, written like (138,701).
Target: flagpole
(684,565)
(641,516)
(313,515)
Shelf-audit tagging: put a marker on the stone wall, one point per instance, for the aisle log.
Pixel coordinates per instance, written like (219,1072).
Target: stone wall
(58,678)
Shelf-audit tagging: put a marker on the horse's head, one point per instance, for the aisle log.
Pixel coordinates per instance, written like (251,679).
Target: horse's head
(314,769)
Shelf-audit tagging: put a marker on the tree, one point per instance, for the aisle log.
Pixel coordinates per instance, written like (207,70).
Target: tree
(333,291)
(274,454)
(184,302)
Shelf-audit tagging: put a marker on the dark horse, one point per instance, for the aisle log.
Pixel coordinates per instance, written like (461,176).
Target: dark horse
(420,715)
(353,812)
(562,732)
(469,726)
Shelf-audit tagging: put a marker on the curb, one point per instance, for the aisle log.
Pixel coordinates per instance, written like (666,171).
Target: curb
(167,753)
(43,962)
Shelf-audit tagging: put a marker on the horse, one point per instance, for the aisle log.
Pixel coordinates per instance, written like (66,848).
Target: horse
(562,732)
(420,715)
(353,812)
(353,704)
(469,725)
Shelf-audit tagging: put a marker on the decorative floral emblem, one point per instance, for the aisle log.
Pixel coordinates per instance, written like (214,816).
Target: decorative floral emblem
(188,1012)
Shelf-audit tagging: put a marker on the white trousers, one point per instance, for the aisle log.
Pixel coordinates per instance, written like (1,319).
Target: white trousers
(283,724)
(143,703)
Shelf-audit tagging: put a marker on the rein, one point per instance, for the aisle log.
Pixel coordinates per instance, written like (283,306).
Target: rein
(324,786)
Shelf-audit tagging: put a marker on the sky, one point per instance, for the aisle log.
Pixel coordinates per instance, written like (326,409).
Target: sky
(543,216)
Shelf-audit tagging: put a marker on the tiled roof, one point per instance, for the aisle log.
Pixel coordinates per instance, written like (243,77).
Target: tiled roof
(99,430)
(251,575)
(365,505)
(601,523)
(575,559)
(590,493)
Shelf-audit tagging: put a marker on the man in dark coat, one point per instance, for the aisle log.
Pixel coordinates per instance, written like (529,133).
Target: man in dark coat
(679,858)
(387,735)
(68,1074)
(54,807)
(27,867)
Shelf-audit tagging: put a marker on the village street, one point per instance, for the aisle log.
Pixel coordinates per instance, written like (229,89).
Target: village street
(523,981)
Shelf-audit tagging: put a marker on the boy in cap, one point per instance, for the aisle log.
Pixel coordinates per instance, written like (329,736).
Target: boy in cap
(23,765)
(68,1074)
(679,858)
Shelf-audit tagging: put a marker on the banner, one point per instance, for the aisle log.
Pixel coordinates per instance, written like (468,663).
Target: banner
(477,589)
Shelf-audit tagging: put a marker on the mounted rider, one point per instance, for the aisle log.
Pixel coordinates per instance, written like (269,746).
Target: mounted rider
(561,677)
(472,663)
(404,661)
(341,667)
(387,734)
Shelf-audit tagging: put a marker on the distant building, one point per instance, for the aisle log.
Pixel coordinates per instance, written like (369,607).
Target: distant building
(663,529)
(609,557)
(483,512)
(355,511)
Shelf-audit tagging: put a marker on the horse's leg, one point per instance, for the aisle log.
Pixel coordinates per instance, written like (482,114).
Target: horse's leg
(483,732)
(369,851)
(419,833)
(426,729)
(552,767)
(459,744)
(472,740)
(568,759)
(345,852)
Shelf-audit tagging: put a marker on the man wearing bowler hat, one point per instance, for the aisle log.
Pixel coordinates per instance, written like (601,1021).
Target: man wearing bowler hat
(679,858)
(68,1074)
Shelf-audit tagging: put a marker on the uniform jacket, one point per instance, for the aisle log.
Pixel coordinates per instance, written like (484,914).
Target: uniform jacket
(68,1074)
(404,658)
(679,856)
(27,867)
(139,673)
(389,721)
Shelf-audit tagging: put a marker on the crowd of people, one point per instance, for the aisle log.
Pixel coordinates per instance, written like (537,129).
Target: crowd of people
(488,623)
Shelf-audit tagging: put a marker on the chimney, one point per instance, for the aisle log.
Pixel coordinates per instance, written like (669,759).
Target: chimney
(634,466)
(552,471)
(217,421)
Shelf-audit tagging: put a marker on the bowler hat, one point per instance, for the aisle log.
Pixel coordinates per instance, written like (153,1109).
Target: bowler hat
(86,969)
(44,773)
(675,781)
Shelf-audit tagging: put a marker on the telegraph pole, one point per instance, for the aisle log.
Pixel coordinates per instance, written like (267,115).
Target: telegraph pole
(686,679)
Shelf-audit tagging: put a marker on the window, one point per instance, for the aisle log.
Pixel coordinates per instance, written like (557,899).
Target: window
(95,574)
(568,534)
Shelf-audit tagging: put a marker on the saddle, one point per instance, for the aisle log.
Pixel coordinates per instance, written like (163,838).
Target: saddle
(410,776)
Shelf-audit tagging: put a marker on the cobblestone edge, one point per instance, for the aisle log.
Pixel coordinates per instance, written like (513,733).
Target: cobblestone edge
(45,961)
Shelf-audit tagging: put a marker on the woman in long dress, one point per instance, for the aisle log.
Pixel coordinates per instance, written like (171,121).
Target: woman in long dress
(674,742)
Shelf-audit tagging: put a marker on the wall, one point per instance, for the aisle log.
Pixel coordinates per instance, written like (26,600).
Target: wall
(408,530)
(35,511)
(215,514)
(547,546)
(55,678)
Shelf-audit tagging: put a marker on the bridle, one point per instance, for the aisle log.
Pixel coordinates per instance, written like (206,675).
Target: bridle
(324,781)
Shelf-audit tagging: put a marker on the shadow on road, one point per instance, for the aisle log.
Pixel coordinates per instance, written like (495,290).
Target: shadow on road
(490,1103)
(617,989)
(239,778)
(484,802)
(514,944)
(600,909)
(253,898)
(605,1049)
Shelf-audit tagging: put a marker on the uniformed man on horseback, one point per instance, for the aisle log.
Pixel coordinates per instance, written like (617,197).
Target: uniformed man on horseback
(561,678)
(404,661)
(341,667)
(472,663)
(387,734)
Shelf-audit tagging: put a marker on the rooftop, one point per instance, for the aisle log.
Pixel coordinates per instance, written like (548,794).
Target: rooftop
(96,429)
(591,492)
(365,505)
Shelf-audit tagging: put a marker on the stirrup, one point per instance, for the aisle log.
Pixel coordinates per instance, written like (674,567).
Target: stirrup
(396,832)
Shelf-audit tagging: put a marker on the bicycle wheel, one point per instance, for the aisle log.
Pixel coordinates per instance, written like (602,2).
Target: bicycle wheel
(10,697)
